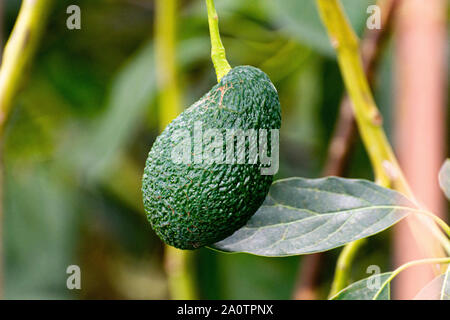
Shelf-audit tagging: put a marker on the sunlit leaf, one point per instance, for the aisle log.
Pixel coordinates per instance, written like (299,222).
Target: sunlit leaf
(444,178)
(367,289)
(445,292)
(130,96)
(301,216)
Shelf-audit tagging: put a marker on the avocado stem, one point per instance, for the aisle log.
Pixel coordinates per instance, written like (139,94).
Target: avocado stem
(218,56)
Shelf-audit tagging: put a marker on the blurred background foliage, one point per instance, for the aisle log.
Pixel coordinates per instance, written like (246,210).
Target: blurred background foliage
(86,118)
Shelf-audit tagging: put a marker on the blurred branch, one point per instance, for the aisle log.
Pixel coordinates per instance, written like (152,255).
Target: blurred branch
(217,49)
(17,55)
(420,114)
(368,119)
(176,262)
(345,132)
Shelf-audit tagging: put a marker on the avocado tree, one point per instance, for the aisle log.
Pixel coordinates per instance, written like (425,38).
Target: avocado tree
(193,201)
(201,188)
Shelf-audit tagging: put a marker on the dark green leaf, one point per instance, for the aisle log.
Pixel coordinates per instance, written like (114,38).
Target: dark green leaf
(301,20)
(367,289)
(301,216)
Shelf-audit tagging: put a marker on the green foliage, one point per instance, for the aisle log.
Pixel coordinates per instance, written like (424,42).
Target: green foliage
(303,216)
(367,289)
(301,20)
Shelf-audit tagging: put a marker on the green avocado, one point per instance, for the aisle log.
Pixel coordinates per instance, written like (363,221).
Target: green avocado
(196,191)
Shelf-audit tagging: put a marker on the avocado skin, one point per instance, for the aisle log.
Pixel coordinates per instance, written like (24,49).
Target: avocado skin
(193,205)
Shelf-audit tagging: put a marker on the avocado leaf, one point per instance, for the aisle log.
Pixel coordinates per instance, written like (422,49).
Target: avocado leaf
(302,216)
(436,289)
(371,288)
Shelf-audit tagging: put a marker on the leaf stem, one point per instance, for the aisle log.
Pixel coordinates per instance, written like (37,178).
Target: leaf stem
(218,56)
(176,262)
(408,265)
(343,266)
(436,219)
(180,278)
(368,118)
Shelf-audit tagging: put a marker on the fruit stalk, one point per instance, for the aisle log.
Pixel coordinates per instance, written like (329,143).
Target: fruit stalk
(17,54)
(369,121)
(218,56)
(176,262)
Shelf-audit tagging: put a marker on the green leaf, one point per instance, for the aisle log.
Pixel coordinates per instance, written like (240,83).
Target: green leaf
(367,289)
(301,216)
(436,289)
(445,292)
(432,289)
(301,20)
(132,92)
(444,178)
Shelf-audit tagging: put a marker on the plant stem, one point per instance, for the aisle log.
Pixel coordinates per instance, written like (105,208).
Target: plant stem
(343,266)
(176,262)
(408,265)
(368,118)
(218,56)
(369,121)
(17,54)
(19,50)
(179,273)
(165,52)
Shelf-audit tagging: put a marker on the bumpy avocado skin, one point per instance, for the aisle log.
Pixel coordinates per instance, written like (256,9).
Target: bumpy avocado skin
(193,205)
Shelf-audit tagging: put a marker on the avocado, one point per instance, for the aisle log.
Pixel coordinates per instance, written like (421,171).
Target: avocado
(195,192)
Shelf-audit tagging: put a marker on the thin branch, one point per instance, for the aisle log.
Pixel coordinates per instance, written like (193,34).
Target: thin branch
(409,265)
(218,56)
